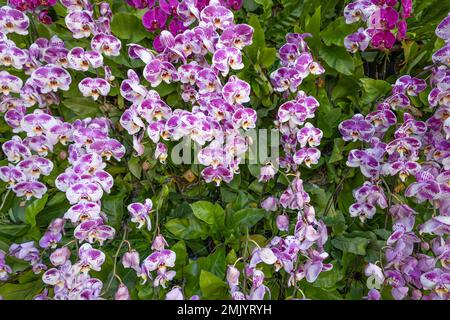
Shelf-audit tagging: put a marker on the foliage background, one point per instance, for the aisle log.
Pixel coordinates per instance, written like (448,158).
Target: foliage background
(210,227)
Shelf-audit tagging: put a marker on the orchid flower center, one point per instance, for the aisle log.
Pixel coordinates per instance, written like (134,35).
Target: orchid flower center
(7,60)
(9,25)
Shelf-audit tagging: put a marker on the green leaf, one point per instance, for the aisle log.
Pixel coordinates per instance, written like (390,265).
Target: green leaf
(180,249)
(356,245)
(338,58)
(212,214)
(13,230)
(316,293)
(212,286)
(336,154)
(33,209)
(267,57)
(312,26)
(215,262)
(135,167)
(267,6)
(246,218)
(328,279)
(23,291)
(327,120)
(259,39)
(187,228)
(336,31)
(128,26)
(81,106)
(113,206)
(373,89)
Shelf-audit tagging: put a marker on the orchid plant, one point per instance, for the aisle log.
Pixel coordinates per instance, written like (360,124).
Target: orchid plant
(134,150)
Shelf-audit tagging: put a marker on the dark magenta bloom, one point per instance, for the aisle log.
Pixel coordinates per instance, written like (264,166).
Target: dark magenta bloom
(154,19)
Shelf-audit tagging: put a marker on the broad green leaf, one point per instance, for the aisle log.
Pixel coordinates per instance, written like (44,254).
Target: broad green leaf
(259,40)
(135,167)
(338,58)
(23,291)
(187,228)
(212,214)
(316,293)
(114,207)
(246,218)
(313,26)
(336,31)
(336,154)
(180,249)
(267,57)
(13,230)
(128,26)
(374,89)
(33,209)
(267,6)
(215,262)
(328,279)
(81,106)
(212,286)
(355,245)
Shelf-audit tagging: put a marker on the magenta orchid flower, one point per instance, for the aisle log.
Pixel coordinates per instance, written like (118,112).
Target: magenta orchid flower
(12,175)
(80,23)
(94,87)
(358,41)
(106,44)
(83,211)
(51,78)
(157,71)
(227,58)
(81,60)
(140,213)
(217,175)
(30,189)
(9,83)
(238,36)
(94,230)
(154,19)
(356,128)
(217,16)
(12,56)
(236,91)
(90,258)
(13,21)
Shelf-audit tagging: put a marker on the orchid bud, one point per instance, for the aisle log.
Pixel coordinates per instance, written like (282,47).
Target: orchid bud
(159,243)
(233,276)
(175,294)
(122,293)
(60,256)
(283,222)
(270,204)
(131,260)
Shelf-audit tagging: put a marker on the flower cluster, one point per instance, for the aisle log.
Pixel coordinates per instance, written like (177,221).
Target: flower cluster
(159,261)
(29,253)
(397,157)
(47,63)
(299,140)
(85,180)
(415,265)
(72,281)
(38,7)
(297,63)
(217,118)
(181,13)
(385,25)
